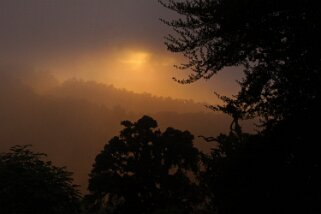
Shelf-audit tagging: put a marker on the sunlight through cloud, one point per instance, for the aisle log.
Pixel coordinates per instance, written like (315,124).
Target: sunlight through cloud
(135,59)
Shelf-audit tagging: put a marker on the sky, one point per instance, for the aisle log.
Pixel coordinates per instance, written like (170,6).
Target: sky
(118,42)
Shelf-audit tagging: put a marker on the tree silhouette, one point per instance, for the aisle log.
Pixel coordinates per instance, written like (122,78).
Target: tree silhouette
(30,185)
(144,170)
(277,44)
(263,173)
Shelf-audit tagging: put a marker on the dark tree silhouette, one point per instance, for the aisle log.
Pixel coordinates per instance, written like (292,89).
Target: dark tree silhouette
(274,173)
(30,185)
(144,170)
(277,44)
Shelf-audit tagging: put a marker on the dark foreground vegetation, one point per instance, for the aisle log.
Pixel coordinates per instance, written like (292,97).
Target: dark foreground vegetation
(29,184)
(144,170)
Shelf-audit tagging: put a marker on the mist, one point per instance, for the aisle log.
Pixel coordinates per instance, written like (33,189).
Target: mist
(72,120)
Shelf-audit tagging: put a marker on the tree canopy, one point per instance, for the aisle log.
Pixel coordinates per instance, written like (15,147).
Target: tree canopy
(144,170)
(276,43)
(29,184)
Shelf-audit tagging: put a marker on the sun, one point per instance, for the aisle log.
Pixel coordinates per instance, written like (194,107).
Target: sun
(135,59)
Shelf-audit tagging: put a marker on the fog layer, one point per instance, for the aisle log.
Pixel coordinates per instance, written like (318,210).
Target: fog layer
(71,121)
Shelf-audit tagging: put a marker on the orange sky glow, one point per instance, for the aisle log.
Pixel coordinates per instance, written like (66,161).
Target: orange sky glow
(138,69)
(113,42)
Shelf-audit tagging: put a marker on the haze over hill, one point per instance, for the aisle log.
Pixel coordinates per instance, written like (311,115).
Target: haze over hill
(71,121)
(110,96)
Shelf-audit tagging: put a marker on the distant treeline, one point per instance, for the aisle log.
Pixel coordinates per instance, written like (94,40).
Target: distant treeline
(55,118)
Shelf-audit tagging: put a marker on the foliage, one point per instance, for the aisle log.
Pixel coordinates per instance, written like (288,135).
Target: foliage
(272,172)
(277,43)
(144,170)
(30,185)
